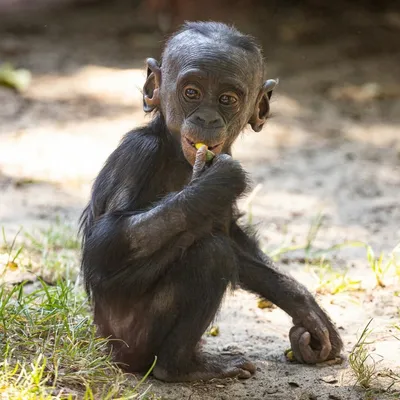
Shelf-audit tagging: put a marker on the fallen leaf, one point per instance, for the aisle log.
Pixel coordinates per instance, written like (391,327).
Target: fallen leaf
(264,304)
(13,266)
(214,331)
(289,355)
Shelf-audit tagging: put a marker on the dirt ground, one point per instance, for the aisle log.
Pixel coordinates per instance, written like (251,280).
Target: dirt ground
(331,147)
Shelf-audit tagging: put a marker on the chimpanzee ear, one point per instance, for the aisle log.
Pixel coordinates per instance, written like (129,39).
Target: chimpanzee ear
(151,88)
(261,110)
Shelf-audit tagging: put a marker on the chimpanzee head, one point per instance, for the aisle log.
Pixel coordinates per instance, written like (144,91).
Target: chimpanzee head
(209,87)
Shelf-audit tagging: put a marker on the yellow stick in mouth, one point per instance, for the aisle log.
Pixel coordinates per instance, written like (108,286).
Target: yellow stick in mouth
(209,155)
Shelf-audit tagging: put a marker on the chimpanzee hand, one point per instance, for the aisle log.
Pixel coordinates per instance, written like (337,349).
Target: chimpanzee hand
(212,191)
(223,170)
(314,338)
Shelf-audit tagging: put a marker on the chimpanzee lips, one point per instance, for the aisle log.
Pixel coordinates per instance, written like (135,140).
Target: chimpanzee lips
(202,141)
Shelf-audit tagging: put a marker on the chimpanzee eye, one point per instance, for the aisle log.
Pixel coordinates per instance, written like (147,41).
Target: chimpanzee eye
(228,99)
(192,93)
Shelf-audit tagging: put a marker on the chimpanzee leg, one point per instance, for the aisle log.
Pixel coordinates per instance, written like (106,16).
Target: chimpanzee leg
(200,281)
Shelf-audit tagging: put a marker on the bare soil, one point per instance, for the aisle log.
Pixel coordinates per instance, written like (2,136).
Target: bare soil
(332,146)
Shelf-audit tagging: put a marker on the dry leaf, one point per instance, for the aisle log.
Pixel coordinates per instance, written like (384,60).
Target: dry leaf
(214,331)
(264,304)
(11,265)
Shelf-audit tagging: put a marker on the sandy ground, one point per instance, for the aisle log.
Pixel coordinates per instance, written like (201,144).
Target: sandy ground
(332,147)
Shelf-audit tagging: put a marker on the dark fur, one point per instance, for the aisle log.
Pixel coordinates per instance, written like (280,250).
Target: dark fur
(160,249)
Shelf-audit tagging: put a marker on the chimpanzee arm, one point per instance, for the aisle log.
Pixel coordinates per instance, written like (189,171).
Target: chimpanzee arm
(260,275)
(314,338)
(124,225)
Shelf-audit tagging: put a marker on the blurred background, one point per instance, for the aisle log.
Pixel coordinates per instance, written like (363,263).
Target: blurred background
(73,72)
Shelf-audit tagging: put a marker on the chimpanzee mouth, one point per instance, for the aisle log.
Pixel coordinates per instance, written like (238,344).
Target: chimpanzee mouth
(193,144)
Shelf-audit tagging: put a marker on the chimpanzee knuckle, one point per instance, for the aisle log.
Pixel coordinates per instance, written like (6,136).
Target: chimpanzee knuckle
(244,374)
(222,158)
(326,350)
(220,168)
(309,356)
(198,169)
(230,167)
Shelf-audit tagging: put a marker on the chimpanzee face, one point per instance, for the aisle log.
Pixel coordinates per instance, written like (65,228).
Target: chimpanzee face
(208,93)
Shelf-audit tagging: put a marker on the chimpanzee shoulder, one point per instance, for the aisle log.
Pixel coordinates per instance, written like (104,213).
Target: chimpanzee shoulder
(127,172)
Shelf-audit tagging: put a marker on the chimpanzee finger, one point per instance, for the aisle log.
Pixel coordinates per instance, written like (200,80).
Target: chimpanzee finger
(200,162)
(320,333)
(309,355)
(300,340)
(244,374)
(294,336)
(221,158)
(326,346)
(302,350)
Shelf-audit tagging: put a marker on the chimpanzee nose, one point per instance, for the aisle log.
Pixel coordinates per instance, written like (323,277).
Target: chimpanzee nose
(208,120)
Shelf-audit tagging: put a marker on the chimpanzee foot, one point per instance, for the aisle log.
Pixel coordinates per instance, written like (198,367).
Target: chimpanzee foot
(208,367)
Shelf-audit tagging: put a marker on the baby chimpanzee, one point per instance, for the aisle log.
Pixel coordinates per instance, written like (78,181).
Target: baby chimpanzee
(161,241)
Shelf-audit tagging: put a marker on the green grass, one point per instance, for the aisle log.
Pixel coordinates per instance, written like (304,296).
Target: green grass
(382,265)
(337,280)
(367,369)
(54,251)
(51,253)
(361,361)
(50,348)
(330,280)
(48,342)
(312,254)
(333,281)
